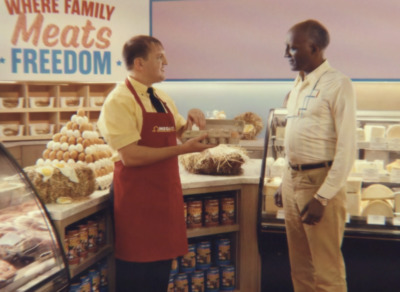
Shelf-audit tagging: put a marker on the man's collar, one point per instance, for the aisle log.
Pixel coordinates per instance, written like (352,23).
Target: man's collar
(313,76)
(139,87)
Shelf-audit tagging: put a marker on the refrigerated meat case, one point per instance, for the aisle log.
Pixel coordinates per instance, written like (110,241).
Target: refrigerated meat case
(370,243)
(31,254)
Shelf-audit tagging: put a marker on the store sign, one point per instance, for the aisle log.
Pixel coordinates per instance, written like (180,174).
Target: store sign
(70,40)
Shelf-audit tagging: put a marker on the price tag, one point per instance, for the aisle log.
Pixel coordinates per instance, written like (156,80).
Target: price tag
(378,144)
(370,174)
(396,221)
(280,214)
(376,220)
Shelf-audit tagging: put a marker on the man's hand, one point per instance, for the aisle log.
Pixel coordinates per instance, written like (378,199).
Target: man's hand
(196,116)
(195,144)
(312,212)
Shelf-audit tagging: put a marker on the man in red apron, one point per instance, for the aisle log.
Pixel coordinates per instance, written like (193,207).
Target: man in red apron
(148,204)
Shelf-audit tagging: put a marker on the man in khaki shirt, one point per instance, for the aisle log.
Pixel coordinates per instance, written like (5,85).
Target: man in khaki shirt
(320,148)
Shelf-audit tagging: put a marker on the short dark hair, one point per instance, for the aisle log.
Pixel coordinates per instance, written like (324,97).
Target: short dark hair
(318,33)
(138,47)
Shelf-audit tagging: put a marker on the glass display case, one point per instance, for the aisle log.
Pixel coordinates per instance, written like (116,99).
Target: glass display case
(31,255)
(374,182)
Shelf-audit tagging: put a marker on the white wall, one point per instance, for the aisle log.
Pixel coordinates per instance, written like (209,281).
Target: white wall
(232,97)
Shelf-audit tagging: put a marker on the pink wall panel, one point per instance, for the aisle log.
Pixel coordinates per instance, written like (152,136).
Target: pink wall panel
(245,39)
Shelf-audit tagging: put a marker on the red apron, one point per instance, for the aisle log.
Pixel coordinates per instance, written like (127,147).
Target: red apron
(148,200)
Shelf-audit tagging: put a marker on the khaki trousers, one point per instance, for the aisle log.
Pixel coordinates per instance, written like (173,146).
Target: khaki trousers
(315,254)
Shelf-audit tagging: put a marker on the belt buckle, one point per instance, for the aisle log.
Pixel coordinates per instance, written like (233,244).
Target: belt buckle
(296,167)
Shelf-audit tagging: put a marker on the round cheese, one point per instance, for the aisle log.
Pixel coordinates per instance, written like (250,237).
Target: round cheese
(377,192)
(378,207)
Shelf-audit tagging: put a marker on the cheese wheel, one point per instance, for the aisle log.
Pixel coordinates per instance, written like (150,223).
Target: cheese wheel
(377,191)
(393,132)
(378,207)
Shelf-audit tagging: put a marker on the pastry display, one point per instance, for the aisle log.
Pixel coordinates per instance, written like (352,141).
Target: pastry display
(253,125)
(11,102)
(220,160)
(11,130)
(25,241)
(36,102)
(78,146)
(73,180)
(71,101)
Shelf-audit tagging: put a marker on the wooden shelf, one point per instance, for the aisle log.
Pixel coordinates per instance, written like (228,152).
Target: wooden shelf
(91,260)
(203,231)
(56,114)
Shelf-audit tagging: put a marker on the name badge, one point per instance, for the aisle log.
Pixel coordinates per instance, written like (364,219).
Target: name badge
(314,93)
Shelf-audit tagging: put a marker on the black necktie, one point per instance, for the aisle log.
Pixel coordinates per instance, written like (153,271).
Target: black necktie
(155,101)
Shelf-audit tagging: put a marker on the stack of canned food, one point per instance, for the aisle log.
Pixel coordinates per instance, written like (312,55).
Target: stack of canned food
(95,279)
(206,267)
(210,211)
(84,238)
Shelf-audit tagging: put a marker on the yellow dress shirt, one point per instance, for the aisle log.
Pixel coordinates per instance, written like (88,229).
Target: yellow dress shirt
(121,119)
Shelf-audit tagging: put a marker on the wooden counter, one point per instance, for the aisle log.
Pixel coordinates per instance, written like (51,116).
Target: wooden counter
(244,186)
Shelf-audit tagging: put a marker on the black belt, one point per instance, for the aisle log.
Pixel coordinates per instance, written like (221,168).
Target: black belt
(300,167)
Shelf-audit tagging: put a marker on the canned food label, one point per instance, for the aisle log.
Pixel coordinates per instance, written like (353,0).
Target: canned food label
(73,248)
(188,261)
(228,211)
(182,283)
(174,266)
(84,241)
(211,212)
(212,279)
(197,282)
(203,255)
(194,209)
(223,251)
(93,233)
(85,284)
(227,277)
